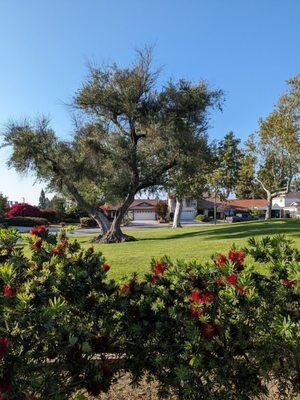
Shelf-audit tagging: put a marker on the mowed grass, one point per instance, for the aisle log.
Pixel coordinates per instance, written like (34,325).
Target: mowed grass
(189,243)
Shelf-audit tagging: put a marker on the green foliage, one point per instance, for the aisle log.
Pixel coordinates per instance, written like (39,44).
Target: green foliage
(201,218)
(217,330)
(24,221)
(161,209)
(57,318)
(3,205)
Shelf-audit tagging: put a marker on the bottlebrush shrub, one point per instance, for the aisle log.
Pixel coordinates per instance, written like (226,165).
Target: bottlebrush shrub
(57,322)
(218,330)
(23,210)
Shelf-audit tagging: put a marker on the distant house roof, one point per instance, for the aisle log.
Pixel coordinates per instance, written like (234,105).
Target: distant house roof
(245,204)
(137,204)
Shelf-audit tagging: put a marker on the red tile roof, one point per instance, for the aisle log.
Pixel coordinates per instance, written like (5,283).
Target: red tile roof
(244,204)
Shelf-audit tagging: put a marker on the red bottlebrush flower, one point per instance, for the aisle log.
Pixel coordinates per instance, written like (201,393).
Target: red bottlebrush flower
(231,279)
(57,251)
(124,289)
(209,330)
(241,289)
(106,267)
(9,291)
(195,296)
(37,244)
(106,370)
(288,283)
(219,281)
(63,244)
(196,312)
(41,229)
(34,231)
(221,260)
(206,297)
(4,345)
(240,256)
(159,268)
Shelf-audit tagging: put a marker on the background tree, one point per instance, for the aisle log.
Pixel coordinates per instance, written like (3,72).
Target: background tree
(277,154)
(189,178)
(161,209)
(58,204)
(247,186)
(229,159)
(3,204)
(44,202)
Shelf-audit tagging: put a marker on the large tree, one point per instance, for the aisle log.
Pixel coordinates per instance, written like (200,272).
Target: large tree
(130,135)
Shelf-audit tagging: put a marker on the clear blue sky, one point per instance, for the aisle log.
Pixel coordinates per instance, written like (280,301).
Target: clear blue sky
(247,48)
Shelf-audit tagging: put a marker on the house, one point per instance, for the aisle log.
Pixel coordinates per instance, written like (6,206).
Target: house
(189,207)
(139,210)
(283,206)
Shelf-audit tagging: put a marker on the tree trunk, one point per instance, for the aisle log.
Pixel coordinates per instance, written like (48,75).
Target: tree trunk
(102,221)
(215,208)
(114,233)
(269,207)
(177,213)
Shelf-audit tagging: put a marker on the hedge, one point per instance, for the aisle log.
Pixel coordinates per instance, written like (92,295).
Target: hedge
(88,222)
(217,330)
(23,221)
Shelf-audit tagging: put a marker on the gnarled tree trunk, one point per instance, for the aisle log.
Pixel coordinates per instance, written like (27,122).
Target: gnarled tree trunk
(114,233)
(269,206)
(177,213)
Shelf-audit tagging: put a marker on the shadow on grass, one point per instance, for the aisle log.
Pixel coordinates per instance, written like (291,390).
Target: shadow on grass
(239,230)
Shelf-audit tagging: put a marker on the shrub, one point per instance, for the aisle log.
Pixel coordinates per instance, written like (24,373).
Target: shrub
(23,210)
(88,222)
(23,221)
(57,328)
(217,330)
(49,214)
(201,218)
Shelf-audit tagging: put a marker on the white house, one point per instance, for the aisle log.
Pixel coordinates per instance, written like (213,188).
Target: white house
(189,207)
(289,204)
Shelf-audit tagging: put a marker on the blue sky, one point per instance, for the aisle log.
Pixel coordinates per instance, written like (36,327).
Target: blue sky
(247,48)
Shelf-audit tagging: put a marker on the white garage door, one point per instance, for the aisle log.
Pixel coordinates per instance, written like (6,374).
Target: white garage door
(144,215)
(188,215)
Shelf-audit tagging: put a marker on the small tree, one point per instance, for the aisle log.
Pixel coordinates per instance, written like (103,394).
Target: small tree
(161,209)
(58,204)
(3,204)
(44,202)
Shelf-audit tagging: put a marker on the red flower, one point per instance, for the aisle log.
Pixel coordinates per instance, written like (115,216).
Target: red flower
(106,267)
(41,229)
(236,256)
(195,296)
(231,279)
(288,283)
(242,290)
(124,289)
(57,251)
(221,260)
(9,291)
(63,244)
(4,345)
(240,256)
(34,231)
(219,281)
(209,330)
(37,244)
(159,268)
(206,297)
(196,312)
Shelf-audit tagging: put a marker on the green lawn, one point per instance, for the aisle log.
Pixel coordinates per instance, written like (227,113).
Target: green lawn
(195,243)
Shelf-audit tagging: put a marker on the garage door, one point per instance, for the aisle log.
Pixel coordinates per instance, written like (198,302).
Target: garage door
(144,215)
(188,215)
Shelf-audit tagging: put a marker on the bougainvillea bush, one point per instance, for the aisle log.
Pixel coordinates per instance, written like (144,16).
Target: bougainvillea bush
(56,318)
(219,330)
